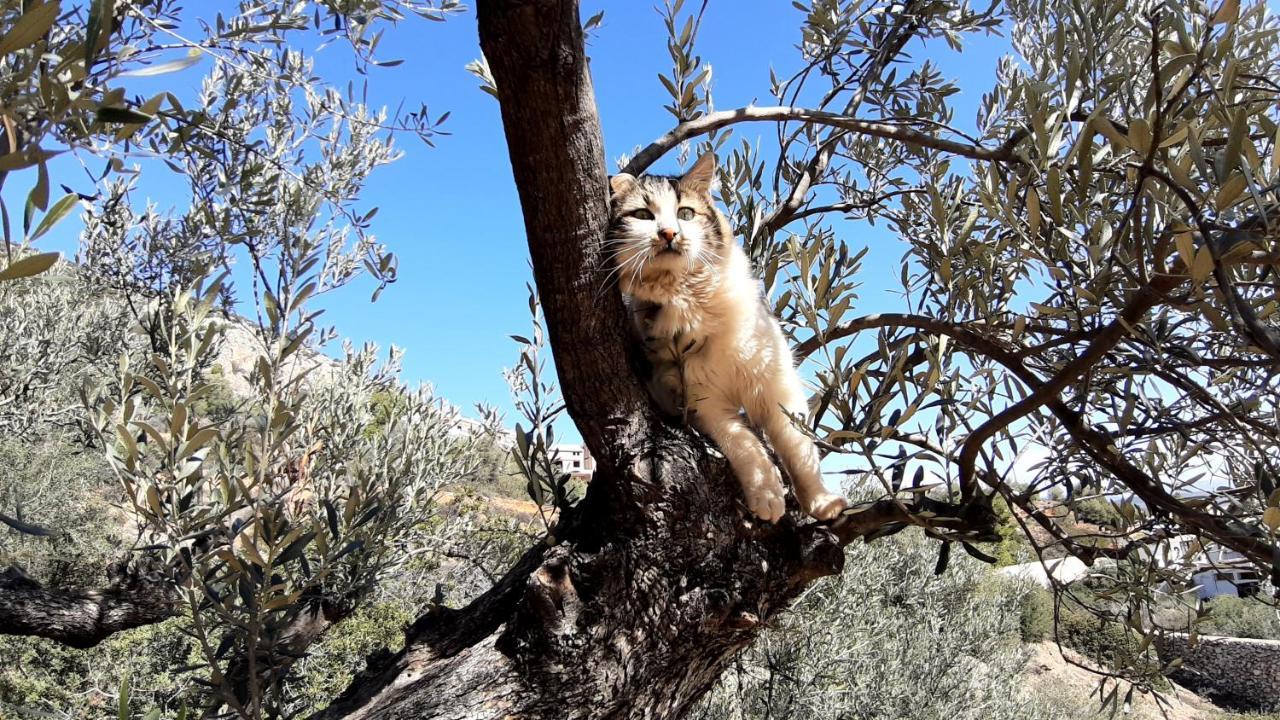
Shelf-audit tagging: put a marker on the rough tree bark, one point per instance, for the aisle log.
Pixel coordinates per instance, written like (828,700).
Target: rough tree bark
(659,577)
(82,618)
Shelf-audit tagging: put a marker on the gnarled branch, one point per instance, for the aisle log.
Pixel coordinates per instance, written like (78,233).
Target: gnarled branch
(82,618)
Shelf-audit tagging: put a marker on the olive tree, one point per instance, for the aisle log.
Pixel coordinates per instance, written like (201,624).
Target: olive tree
(263,529)
(1081,275)
(1088,274)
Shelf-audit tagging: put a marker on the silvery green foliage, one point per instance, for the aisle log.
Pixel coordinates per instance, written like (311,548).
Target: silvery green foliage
(539,403)
(57,333)
(887,639)
(278,521)
(395,446)
(141,254)
(61,70)
(277,527)
(54,491)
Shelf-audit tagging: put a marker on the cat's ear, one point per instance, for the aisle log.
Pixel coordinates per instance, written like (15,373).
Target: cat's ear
(621,183)
(701,175)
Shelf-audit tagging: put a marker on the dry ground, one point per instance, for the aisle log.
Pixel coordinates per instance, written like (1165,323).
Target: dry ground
(1052,677)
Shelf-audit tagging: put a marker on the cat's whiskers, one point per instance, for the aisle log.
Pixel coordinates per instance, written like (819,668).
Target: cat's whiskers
(619,267)
(704,256)
(613,256)
(639,270)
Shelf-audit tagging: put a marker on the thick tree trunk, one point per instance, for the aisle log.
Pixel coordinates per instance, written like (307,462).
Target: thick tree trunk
(659,577)
(634,613)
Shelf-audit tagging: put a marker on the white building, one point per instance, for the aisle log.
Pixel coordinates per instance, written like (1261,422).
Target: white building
(465,427)
(1216,570)
(575,459)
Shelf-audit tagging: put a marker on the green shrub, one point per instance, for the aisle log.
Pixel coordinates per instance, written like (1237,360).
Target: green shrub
(333,662)
(64,490)
(887,639)
(1104,641)
(496,472)
(41,676)
(1109,644)
(1242,617)
(1035,624)
(1013,547)
(1099,511)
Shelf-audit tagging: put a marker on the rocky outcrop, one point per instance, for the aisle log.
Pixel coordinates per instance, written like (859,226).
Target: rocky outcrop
(239,351)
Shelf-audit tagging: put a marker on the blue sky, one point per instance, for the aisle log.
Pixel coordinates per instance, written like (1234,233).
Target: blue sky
(452,215)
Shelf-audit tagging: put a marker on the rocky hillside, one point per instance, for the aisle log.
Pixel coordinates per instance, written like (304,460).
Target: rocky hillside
(242,345)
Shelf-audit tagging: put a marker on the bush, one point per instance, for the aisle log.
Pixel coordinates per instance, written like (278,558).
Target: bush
(1036,620)
(334,661)
(1012,548)
(1099,511)
(39,676)
(887,639)
(1109,644)
(64,490)
(496,471)
(42,677)
(1242,617)
(1104,641)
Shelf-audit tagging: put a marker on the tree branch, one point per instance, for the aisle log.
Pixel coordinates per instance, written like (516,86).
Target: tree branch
(1097,444)
(906,23)
(717,120)
(82,618)
(558,161)
(1143,300)
(971,333)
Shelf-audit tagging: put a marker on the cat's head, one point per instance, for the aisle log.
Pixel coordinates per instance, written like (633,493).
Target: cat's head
(665,224)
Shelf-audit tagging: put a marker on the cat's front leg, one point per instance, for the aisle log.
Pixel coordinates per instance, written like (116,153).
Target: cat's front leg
(796,450)
(666,387)
(761,483)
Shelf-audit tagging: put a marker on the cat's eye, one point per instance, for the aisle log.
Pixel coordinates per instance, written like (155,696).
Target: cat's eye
(685,213)
(642,214)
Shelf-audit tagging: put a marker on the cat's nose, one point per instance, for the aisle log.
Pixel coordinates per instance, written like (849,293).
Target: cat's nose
(668,235)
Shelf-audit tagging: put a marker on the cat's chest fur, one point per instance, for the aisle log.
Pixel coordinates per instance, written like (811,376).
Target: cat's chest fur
(673,327)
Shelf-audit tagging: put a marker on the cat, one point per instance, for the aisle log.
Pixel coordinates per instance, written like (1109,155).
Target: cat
(714,346)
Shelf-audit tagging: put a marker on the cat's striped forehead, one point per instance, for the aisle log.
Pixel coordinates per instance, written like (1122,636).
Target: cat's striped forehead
(656,191)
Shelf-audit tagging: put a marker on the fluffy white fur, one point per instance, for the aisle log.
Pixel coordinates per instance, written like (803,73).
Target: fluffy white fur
(716,349)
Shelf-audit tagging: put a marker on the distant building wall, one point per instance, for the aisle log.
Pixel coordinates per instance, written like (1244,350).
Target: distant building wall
(1065,570)
(1244,671)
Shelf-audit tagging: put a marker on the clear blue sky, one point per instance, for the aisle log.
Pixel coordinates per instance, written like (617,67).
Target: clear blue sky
(451,213)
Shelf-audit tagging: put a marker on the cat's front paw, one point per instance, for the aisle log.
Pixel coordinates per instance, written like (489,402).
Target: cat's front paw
(825,506)
(766,498)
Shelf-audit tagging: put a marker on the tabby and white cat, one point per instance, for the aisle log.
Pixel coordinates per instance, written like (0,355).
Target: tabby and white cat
(716,349)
